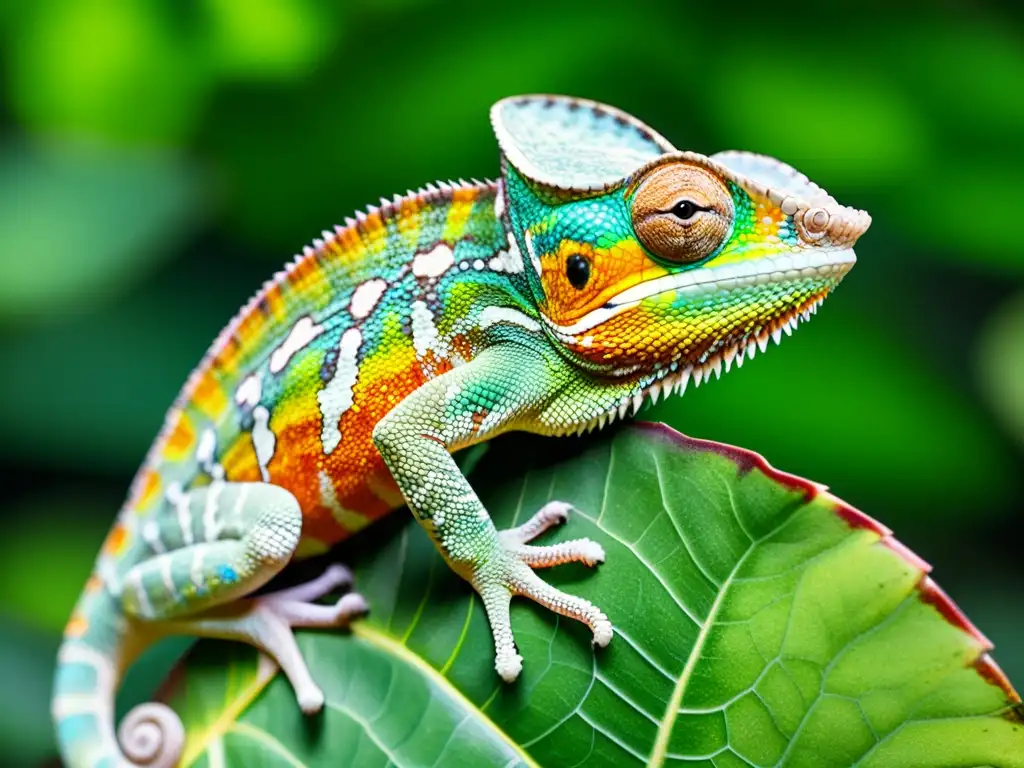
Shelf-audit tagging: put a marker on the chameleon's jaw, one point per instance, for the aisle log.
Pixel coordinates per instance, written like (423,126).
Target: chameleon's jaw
(708,320)
(675,377)
(780,269)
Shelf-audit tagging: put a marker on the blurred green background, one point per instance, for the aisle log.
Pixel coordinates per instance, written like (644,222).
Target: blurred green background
(159,160)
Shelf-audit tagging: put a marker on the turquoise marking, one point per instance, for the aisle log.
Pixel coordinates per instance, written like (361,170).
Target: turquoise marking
(76,677)
(226,574)
(75,728)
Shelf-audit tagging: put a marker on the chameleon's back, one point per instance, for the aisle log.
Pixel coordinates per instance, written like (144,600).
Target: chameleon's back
(292,388)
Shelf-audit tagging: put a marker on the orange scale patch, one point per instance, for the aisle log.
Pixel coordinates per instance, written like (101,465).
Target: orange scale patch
(208,396)
(239,461)
(767,219)
(181,438)
(116,540)
(462,347)
(274,303)
(77,625)
(149,487)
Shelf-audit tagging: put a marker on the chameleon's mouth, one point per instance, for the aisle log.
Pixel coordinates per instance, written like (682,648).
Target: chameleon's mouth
(674,378)
(778,269)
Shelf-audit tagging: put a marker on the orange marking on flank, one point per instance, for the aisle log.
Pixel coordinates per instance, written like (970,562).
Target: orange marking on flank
(274,302)
(180,439)
(77,625)
(116,540)
(208,396)
(239,461)
(149,487)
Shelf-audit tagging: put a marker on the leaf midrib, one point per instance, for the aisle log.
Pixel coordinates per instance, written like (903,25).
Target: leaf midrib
(675,701)
(393,648)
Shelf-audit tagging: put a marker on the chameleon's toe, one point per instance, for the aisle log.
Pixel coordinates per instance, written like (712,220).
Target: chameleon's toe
(585,551)
(551,514)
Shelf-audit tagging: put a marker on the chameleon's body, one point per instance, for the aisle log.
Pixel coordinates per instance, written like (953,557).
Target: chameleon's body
(552,301)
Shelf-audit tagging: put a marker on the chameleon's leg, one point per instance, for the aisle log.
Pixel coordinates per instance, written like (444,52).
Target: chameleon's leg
(492,393)
(223,542)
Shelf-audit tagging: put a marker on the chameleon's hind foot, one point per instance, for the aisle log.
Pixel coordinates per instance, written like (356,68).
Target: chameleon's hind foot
(510,572)
(267,622)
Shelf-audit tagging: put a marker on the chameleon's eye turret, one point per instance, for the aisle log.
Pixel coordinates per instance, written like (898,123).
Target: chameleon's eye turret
(682,212)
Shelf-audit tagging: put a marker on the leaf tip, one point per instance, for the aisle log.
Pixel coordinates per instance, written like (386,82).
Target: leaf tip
(991,672)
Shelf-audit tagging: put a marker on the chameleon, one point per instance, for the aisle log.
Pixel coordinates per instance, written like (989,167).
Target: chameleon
(604,268)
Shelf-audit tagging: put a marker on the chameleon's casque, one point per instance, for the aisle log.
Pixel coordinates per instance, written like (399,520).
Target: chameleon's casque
(604,267)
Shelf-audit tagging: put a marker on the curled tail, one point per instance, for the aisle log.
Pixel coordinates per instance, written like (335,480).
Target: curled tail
(89,667)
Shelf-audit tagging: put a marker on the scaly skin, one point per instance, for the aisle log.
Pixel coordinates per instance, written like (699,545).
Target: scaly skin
(603,267)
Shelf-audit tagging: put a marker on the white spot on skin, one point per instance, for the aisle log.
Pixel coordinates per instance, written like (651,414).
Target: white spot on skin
(451,392)
(366,296)
(145,607)
(424,332)
(491,315)
(433,263)
(302,333)
(496,264)
(151,534)
(196,571)
(499,200)
(263,440)
(211,525)
(478,264)
(336,397)
(207,448)
(249,391)
(180,500)
(165,571)
(513,257)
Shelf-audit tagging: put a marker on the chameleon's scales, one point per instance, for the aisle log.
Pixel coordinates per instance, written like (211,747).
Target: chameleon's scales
(602,268)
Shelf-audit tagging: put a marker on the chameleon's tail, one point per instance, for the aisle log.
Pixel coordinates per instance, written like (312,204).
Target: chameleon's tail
(89,667)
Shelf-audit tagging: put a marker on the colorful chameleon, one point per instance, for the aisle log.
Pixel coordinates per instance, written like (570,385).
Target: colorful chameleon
(603,268)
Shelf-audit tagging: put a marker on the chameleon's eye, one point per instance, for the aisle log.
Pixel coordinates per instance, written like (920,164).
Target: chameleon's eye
(577,270)
(682,212)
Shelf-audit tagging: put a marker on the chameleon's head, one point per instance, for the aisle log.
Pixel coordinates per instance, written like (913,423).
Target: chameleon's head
(648,262)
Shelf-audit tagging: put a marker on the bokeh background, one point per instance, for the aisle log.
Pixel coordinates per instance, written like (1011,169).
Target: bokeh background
(159,160)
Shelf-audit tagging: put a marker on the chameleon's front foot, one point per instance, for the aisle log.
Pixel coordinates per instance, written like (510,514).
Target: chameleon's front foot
(510,572)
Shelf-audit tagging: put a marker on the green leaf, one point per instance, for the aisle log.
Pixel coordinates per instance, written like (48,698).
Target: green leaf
(923,445)
(758,620)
